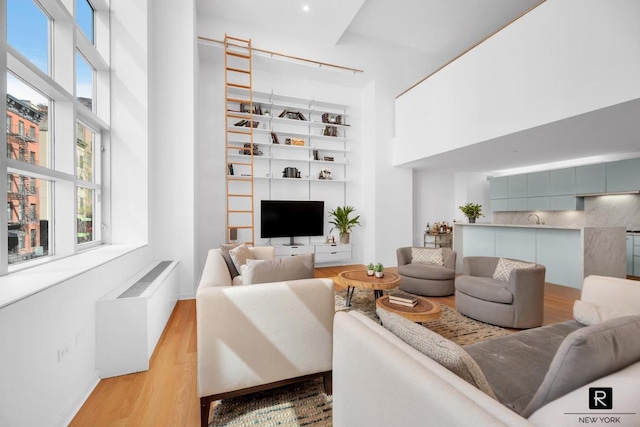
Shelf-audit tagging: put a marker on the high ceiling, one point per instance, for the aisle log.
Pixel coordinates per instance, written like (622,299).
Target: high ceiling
(402,41)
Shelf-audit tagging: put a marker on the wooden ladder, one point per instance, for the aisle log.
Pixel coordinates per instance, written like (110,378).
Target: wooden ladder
(239,140)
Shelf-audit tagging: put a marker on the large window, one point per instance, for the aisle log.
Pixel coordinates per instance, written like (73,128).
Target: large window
(53,143)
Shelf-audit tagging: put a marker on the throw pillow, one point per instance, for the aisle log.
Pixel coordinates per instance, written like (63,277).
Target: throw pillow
(240,254)
(589,314)
(224,250)
(278,270)
(506,266)
(587,354)
(427,256)
(435,346)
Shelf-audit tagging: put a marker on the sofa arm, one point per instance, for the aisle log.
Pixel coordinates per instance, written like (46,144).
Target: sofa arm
(215,271)
(378,380)
(258,334)
(403,256)
(527,287)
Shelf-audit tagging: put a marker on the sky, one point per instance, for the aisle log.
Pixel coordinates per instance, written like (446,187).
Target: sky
(28,32)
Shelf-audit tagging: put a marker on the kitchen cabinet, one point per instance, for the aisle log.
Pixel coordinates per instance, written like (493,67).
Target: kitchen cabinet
(517,204)
(630,255)
(538,184)
(623,175)
(563,182)
(538,203)
(517,186)
(498,205)
(517,243)
(499,188)
(566,203)
(591,179)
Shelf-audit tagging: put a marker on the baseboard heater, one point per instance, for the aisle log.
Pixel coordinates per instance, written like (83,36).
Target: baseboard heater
(130,319)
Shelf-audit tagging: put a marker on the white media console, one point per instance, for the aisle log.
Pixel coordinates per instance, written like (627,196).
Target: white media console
(324,252)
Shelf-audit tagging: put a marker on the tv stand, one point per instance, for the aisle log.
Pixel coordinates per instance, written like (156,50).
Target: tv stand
(292,243)
(324,252)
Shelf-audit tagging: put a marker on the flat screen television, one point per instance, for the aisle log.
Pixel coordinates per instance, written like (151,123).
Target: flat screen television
(291,218)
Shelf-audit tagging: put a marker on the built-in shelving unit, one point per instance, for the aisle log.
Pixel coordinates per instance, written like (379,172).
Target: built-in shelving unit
(300,150)
(301,144)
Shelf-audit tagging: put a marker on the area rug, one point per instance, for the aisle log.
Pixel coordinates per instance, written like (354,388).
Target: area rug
(452,324)
(295,405)
(305,403)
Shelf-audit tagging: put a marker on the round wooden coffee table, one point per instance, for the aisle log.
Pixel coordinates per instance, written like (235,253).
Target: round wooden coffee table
(359,279)
(423,311)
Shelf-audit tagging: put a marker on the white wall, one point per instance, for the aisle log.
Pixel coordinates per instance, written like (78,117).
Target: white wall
(562,59)
(172,136)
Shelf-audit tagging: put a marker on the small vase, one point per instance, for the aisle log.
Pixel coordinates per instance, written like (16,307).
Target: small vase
(472,220)
(344,238)
(379,274)
(370,272)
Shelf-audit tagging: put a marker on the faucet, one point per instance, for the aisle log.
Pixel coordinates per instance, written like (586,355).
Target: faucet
(537,218)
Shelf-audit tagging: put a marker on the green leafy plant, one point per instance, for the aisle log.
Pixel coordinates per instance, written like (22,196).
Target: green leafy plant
(342,221)
(472,210)
(370,266)
(379,267)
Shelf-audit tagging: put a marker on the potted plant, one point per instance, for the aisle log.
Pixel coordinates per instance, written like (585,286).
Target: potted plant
(370,269)
(341,220)
(472,211)
(379,270)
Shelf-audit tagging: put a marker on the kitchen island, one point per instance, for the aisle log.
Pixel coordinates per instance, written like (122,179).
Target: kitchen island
(568,253)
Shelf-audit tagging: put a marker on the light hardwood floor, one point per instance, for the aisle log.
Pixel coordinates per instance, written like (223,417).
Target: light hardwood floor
(166,394)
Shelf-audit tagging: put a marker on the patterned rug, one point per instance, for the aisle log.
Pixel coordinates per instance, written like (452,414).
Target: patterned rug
(305,403)
(295,405)
(452,324)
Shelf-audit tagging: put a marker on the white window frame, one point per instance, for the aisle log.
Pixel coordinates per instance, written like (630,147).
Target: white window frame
(65,39)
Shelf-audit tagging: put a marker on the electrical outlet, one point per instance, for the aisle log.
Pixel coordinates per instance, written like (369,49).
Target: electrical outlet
(62,352)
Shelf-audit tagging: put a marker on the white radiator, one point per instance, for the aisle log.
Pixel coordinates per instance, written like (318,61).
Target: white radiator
(130,319)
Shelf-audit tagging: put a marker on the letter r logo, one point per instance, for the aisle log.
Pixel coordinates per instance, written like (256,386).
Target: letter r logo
(600,398)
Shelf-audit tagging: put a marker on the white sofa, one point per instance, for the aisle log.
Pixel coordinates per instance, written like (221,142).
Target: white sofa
(255,337)
(379,380)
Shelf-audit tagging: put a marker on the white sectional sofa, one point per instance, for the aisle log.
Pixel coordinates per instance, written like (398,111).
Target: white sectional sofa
(380,380)
(256,337)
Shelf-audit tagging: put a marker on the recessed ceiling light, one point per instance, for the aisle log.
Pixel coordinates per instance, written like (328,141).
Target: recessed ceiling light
(305,8)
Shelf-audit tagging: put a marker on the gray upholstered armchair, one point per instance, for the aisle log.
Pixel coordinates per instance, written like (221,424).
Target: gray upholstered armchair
(427,279)
(515,303)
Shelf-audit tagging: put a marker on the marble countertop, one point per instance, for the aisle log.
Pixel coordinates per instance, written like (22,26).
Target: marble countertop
(557,227)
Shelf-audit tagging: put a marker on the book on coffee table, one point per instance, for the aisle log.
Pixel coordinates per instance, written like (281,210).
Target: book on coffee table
(404,304)
(403,299)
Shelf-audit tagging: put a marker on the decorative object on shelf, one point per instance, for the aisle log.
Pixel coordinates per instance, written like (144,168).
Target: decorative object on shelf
(247,150)
(328,118)
(287,141)
(247,123)
(316,155)
(342,221)
(293,115)
(370,269)
(230,168)
(274,138)
(330,239)
(266,112)
(379,270)
(328,159)
(325,173)
(472,211)
(297,141)
(330,131)
(245,108)
(291,173)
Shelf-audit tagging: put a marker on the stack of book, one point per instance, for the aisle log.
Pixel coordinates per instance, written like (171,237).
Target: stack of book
(403,299)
